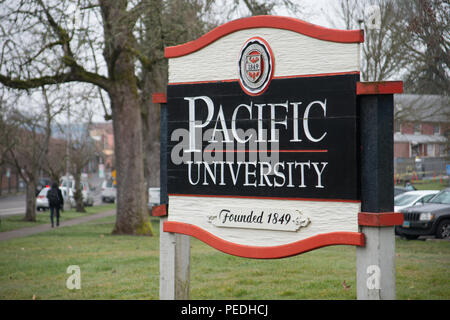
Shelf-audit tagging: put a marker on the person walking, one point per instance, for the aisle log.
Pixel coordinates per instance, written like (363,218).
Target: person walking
(55,202)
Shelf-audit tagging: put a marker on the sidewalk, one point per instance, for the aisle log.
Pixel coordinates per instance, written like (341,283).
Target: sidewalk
(46,227)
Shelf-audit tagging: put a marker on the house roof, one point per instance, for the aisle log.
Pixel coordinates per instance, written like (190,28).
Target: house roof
(422,108)
(419,138)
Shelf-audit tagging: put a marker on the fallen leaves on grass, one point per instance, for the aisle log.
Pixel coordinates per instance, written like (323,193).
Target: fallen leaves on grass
(345,285)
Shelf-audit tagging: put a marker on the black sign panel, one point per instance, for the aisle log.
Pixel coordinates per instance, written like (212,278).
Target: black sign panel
(296,140)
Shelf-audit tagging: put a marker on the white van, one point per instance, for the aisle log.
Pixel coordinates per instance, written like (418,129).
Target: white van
(154,198)
(109,191)
(88,200)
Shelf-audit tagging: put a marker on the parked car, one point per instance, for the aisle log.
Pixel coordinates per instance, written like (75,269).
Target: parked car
(69,184)
(42,183)
(109,191)
(406,188)
(42,201)
(412,198)
(433,218)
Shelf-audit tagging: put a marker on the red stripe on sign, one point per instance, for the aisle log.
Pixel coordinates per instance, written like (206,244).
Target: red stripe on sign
(159,97)
(274,252)
(268,198)
(291,24)
(381,87)
(318,75)
(380,219)
(159,211)
(201,82)
(278,77)
(275,151)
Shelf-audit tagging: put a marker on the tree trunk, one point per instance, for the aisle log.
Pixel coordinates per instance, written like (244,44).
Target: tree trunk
(30,213)
(79,204)
(150,117)
(1,181)
(132,216)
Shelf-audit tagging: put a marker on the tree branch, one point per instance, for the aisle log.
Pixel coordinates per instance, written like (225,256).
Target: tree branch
(62,34)
(78,74)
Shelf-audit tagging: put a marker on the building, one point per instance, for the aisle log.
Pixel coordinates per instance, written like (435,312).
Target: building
(10,180)
(421,133)
(103,134)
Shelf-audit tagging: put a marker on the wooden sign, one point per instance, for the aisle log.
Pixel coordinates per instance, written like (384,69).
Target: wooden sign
(262,124)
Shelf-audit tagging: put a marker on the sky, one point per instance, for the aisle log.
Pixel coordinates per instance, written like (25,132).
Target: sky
(317,12)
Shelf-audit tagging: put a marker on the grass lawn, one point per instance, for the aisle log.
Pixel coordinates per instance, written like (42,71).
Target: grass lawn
(431,185)
(13,222)
(127,267)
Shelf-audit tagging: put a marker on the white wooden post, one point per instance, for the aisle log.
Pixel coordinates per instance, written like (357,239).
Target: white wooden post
(375,276)
(175,249)
(174,265)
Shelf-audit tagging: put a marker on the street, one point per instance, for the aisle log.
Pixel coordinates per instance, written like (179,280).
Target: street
(10,205)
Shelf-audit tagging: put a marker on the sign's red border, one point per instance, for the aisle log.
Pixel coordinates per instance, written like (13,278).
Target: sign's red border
(285,23)
(274,252)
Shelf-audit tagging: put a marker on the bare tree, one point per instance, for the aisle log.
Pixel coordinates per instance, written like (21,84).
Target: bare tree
(98,42)
(383,47)
(412,42)
(28,141)
(7,131)
(26,155)
(233,9)
(426,26)
(55,162)
(116,46)
(61,42)
(259,8)
(83,150)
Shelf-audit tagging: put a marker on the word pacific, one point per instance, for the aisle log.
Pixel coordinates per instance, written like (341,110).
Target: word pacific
(278,118)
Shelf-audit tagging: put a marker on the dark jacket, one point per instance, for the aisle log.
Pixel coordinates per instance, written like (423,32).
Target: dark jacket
(55,201)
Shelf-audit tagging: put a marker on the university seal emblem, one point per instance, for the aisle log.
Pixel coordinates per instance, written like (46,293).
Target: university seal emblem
(256,66)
